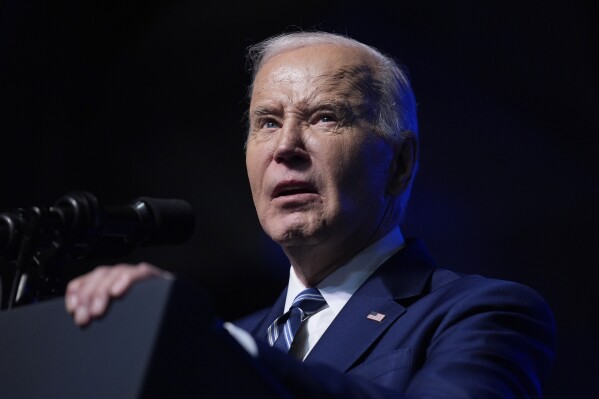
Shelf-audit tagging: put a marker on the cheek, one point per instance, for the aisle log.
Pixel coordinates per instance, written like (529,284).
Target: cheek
(254,173)
(361,170)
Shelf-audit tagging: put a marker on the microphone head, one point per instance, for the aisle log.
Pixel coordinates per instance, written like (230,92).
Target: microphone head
(173,220)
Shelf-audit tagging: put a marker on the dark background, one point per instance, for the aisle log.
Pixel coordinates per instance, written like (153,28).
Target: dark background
(137,98)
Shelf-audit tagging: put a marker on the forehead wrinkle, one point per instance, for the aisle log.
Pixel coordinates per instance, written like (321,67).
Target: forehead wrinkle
(351,85)
(293,100)
(265,102)
(336,83)
(332,82)
(356,78)
(328,89)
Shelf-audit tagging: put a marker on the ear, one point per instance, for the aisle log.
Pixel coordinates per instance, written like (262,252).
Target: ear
(403,165)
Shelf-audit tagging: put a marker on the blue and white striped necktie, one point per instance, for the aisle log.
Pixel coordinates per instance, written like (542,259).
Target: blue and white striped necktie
(281,332)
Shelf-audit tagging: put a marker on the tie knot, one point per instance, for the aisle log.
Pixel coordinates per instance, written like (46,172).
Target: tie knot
(309,301)
(280,333)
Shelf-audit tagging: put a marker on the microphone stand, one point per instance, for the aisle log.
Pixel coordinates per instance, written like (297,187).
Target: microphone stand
(37,273)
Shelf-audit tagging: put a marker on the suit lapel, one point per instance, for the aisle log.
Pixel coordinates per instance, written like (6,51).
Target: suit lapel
(352,333)
(387,292)
(259,332)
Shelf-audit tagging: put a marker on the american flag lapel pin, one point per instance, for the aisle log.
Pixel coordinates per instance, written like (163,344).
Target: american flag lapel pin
(376,316)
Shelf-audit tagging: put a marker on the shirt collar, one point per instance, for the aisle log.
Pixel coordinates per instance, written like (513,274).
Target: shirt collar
(340,285)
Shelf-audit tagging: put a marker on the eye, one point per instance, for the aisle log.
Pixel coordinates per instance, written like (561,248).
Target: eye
(325,118)
(269,124)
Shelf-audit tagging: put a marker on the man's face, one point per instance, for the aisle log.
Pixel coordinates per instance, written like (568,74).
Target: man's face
(318,172)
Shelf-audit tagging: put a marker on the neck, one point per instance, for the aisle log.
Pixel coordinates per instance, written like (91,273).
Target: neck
(313,263)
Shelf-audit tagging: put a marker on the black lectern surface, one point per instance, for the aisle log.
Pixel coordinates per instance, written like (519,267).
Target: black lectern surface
(159,341)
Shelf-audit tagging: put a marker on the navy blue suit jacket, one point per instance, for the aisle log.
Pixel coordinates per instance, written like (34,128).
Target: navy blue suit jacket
(444,335)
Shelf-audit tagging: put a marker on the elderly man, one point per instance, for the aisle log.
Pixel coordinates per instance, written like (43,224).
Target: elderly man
(331,154)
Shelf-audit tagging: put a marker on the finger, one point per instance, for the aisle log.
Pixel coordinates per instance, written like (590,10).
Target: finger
(78,289)
(81,316)
(70,299)
(99,297)
(90,297)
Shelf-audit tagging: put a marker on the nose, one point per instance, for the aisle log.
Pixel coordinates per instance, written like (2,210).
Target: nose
(291,145)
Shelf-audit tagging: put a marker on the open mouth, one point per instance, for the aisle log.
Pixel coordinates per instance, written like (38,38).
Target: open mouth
(286,189)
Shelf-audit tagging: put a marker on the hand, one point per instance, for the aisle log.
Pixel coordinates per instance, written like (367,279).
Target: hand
(87,296)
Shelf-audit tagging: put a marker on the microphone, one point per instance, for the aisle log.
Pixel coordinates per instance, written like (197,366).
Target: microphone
(11,225)
(84,228)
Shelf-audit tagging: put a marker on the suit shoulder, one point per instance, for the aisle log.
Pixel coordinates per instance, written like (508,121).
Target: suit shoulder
(446,279)
(467,291)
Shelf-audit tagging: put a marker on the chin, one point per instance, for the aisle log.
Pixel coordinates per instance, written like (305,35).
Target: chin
(293,235)
(291,229)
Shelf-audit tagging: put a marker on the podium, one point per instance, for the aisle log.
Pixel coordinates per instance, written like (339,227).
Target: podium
(160,340)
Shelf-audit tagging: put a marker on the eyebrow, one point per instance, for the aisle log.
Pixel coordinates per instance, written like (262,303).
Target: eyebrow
(334,105)
(344,109)
(328,103)
(262,110)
